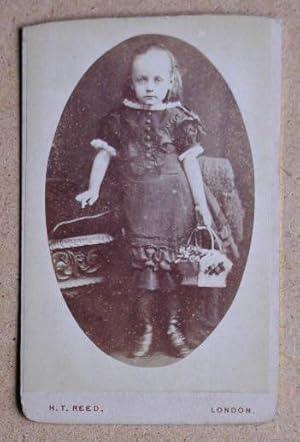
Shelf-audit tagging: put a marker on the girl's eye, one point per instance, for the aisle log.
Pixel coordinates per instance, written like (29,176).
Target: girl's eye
(141,80)
(158,79)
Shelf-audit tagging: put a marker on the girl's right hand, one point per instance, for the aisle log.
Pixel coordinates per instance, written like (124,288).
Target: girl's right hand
(89,197)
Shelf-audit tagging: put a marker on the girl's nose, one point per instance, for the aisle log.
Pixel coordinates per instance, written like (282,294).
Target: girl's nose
(150,86)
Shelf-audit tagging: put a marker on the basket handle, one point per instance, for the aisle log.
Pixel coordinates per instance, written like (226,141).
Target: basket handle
(213,234)
(214,239)
(192,235)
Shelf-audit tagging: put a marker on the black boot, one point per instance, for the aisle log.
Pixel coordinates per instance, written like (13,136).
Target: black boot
(143,343)
(174,329)
(144,322)
(177,337)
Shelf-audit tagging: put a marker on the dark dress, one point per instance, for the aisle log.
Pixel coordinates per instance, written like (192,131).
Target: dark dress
(157,204)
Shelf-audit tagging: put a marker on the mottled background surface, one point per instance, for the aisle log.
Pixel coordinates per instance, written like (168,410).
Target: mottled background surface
(16,14)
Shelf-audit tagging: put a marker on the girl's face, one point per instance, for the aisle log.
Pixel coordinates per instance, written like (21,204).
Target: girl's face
(151,76)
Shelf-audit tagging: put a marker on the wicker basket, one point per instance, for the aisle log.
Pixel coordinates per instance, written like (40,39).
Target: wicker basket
(203,267)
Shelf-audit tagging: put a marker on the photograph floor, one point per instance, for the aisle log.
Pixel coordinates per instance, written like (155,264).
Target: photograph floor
(114,319)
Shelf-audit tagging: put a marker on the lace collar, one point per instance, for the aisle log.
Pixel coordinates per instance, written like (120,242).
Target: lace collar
(154,107)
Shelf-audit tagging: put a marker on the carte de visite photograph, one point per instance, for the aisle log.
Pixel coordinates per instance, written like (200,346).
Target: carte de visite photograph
(150,220)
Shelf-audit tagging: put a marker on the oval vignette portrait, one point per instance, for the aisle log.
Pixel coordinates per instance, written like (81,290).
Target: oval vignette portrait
(150,200)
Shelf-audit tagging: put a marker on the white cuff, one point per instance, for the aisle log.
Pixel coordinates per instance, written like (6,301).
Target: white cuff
(193,152)
(101,144)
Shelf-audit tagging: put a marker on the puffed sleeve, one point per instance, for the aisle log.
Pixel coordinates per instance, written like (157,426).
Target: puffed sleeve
(108,134)
(189,133)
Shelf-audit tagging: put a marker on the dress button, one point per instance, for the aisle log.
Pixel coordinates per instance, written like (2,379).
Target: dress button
(149,113)
(147,138)
(148,128)
(148,155)
(148,121)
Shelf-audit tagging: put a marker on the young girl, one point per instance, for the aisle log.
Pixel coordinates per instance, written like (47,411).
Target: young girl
(154,142)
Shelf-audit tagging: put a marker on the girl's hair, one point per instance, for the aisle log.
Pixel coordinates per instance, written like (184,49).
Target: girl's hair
(175,92)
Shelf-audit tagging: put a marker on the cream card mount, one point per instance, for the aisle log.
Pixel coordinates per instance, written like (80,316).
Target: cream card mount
(150,222)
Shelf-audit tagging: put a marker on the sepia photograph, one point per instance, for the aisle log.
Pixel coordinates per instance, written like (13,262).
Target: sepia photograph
(150,200)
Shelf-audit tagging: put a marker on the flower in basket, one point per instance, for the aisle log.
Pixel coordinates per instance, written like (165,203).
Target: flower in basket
(189,253)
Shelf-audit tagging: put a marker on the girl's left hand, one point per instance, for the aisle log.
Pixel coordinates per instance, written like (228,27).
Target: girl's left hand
(205,216)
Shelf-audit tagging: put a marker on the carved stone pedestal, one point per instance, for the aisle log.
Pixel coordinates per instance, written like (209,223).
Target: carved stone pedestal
(78,261)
